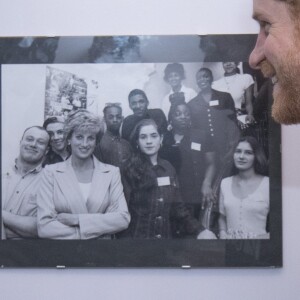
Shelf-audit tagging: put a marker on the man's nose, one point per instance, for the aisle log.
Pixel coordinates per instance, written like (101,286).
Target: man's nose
(33,143)
(257,55)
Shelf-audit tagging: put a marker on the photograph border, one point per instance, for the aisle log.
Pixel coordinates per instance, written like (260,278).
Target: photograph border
(173,253)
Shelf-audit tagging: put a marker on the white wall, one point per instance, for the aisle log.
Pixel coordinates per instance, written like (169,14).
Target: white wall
(94,17)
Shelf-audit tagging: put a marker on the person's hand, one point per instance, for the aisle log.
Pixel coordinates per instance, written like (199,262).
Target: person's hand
(68,219)
(206,235)
(207,194)
(223,235)
(250,119)
(264,236)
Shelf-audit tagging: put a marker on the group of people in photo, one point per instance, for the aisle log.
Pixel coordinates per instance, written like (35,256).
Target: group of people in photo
(150,175)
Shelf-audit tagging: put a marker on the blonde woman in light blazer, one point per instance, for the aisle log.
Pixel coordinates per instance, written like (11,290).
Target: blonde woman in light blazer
(81,198)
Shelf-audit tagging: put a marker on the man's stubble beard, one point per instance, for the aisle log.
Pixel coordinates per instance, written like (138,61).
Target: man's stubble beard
(286,92)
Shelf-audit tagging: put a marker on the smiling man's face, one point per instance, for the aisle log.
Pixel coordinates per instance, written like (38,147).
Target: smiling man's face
(277,54)
(33,145)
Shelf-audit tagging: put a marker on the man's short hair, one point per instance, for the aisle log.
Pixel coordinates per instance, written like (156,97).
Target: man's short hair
(35,126)
(109,105)
(137,92)
(52,120)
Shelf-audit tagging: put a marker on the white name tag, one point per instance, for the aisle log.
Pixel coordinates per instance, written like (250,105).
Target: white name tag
(196,146)
(162,181)
(213,102)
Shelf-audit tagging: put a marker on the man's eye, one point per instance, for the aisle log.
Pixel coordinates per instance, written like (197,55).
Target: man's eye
(265,26)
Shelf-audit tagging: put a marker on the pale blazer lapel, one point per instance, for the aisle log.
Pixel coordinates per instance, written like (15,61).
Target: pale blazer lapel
(99,188)
(67,182)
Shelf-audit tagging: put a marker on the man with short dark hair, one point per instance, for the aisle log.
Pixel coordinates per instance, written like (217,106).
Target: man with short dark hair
(277,54)
(20,185)
(113,149)
(58,150)
(138,102)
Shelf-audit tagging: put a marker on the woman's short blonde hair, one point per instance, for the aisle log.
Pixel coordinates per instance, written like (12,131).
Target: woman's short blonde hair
(84,120)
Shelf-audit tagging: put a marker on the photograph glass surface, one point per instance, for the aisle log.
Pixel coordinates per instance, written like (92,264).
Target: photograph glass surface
(204,146)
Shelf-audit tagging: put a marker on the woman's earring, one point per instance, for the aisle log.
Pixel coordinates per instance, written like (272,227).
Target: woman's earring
(170,127)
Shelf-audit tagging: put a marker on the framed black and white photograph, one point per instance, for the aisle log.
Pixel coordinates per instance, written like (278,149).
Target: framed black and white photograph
(137,151)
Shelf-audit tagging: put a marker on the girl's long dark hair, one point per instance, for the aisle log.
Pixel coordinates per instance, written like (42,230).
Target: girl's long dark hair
(260,160)
(137,169)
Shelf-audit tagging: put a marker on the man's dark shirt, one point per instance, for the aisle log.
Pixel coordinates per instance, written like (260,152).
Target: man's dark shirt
(113,149)
(52,158)
(155,114)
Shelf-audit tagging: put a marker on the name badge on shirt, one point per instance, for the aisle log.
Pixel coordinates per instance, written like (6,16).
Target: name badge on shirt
(213,102)
(196,146)
(162,181)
